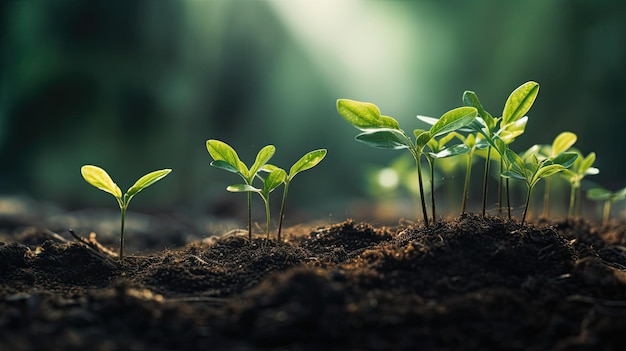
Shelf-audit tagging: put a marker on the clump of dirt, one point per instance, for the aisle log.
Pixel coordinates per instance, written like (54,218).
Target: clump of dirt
(469,283)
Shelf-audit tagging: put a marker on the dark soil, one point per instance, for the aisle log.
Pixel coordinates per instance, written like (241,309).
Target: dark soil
(469,283)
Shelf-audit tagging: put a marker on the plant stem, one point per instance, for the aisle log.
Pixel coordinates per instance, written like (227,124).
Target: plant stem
(485,180)
(282,210)
(508,199)
(606,213)
(579,205)
(421,186)
(467,181)
(500,207)
(432,187)
(546,199)
(250,217)
(530,189)
(572,201)
(123,210)
(267,215)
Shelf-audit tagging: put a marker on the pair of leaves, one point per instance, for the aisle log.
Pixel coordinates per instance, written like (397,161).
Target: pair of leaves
(226,158)
(100,179)
(384,132)
(601,194)
(530,169)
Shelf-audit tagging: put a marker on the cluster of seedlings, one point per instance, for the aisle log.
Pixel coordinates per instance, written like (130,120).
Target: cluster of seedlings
(224,158)
(476,132)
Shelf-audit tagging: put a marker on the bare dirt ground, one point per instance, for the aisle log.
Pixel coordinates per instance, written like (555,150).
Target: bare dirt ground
(466,283)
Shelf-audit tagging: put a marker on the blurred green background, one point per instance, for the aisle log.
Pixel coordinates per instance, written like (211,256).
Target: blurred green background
(141,85)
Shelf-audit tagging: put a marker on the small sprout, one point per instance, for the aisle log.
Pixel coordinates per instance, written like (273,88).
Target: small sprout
(530,169)
(601,194)
(561,143)
(505,128)
(308,161)
(273,180)
(581,168)
(384,132)
(99,178)
(226,158)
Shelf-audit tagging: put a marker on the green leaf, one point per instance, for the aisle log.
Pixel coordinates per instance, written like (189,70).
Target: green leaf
(364,115)
(307,161)
(565,159)
(516,163)
(471,99)
(273,180)
(509,132)
(385,139)
(269,168)
(221,164)
(519,102)
(422,137)
(242,188)
(599,194)
(454,150)
(514,175)
(220,151)
(262,157)
(428,120)
(547,171)
(587,162)
(562,142)
(453,120)
(99,178)
(146,181)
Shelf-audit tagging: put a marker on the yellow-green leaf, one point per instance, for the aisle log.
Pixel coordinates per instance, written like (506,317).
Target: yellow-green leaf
(99,178)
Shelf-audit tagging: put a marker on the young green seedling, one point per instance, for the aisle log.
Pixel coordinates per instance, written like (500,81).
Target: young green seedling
(227,159)
(601,194)
(530,169)
(561,143)
(308,161)
(505,128)
(273,180)
(581,168)
(384,132)
(99,178)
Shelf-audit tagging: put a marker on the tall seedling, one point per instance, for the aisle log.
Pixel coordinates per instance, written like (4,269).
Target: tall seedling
(227,159)
(384,132)
(100,179)
(308,161)
(561,143)
(609,198)
(530,169)
(581,168)
(505,128)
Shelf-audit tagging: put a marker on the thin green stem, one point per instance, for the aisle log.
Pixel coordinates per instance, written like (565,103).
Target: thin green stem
(467,182)
(500,207)
(508,198)
(546,199)
(250,217)
(421,187)
(530,189)
(485,180)
(572,202)
(432,187)
(579,205)
(606,213)
(282,210)
(123,210)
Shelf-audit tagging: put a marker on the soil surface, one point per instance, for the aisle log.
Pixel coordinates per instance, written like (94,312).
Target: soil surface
(468,283)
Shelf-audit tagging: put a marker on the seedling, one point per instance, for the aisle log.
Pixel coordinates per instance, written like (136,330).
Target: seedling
(561,143)
(273,180)
(384,132)
(601,194)
(227,159)
(581,168)
(308,161)
(473,142)
(505,128)
(530,169)
(99,178)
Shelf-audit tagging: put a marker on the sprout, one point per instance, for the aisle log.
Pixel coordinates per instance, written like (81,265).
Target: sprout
(226,158)
(505,128)
(273,180)
(530,169)
(601,194)
(308,161)
(384,132)
(561,143)
(99,178)
(582,167)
